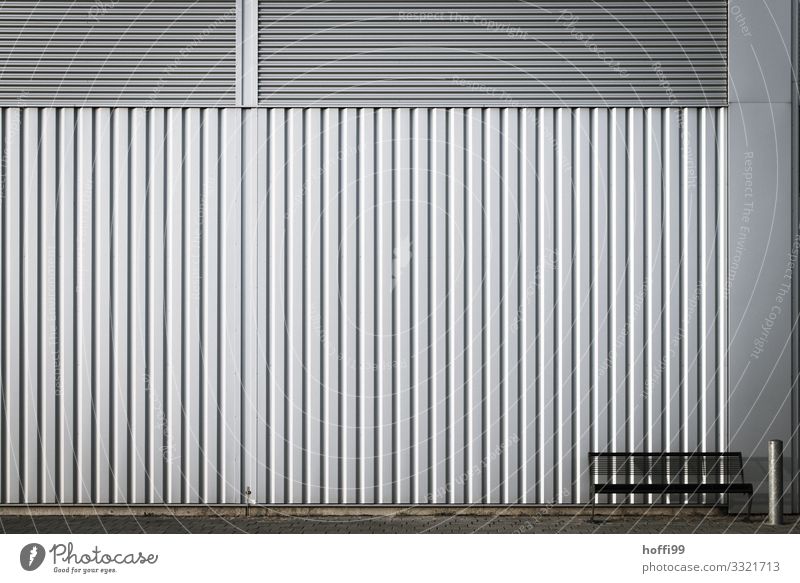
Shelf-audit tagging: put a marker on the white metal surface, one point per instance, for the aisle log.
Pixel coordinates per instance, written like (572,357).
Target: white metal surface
(354,305)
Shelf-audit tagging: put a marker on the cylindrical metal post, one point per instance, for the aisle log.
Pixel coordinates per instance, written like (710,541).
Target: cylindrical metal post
(775,468)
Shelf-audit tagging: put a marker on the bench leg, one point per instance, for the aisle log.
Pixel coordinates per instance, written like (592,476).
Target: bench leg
(750,507)
(594,503)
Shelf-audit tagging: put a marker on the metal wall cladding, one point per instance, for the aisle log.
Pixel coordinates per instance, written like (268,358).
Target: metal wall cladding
(118,52)
(505,53)
(355,305)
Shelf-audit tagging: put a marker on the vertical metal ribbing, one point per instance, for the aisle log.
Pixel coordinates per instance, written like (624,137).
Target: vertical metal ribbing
(357,392)
(475,281)
(649,287)
(331,306)
(618,287)
(526,291)
(562,189)
(532,410)
(30,307)
(48,350)
(363,248)
(64,308)
(120,285)
(694,290)
(135,435)
(420,305)
(668,338)
(458,305)
(313,346)
(84,203)
(264,483)
(294,298)
(511,306)
(702,281)
(230,302)
(368,317)
(276,359)
(13,192)
(599,276)
(213,280)
(548,262)
(492,278)
(449,405)
(156,364)
(419,368)
(383,237)
(721,290)
(537,325)
(709,317)
(595,337)
(5,467)
(438,308)
(349,298)
(190,330)
(683,228)
(583,421)
(173,388)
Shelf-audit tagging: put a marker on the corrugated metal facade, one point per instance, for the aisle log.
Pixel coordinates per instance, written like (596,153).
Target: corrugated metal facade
(117,52)
(355,305)
(504,53)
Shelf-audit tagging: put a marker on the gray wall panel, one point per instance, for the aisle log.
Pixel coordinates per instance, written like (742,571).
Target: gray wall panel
(760,281)
(763,240)
(116,53)
(354,305)
(760,41)
(509,53)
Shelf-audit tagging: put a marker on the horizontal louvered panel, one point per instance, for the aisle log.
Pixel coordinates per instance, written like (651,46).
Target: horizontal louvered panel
(118,52)
(578,52)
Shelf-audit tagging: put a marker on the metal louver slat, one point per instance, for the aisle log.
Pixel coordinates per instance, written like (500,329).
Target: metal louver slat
(578,52)
(118,52)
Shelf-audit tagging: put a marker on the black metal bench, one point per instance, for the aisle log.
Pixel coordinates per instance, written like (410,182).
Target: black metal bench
(667,473)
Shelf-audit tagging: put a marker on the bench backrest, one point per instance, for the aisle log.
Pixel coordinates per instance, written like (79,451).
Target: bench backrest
(666,468)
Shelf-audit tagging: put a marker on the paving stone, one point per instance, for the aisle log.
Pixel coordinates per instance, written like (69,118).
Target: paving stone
(384,525)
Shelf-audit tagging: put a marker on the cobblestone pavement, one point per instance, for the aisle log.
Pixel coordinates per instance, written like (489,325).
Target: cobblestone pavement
(389,525)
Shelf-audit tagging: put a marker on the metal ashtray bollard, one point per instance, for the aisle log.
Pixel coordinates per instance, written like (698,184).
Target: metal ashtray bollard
(775,469)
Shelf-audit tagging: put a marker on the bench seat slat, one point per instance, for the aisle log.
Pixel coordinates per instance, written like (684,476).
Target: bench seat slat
(673,488)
